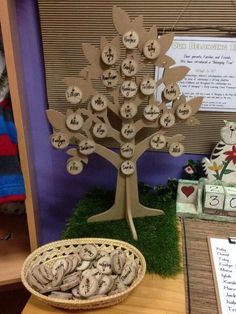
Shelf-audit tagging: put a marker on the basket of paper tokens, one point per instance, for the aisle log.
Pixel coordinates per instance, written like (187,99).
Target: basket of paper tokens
(85,273)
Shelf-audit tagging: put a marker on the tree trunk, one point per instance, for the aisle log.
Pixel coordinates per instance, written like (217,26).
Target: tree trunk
(126,203)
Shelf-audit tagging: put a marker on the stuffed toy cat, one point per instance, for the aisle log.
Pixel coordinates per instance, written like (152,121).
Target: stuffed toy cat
(222,163)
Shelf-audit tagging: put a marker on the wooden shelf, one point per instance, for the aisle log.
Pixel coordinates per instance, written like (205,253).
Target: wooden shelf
(14,251)
(10,36)
(154,295)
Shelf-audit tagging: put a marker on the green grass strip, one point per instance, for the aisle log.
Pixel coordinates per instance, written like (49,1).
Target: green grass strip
(158,237)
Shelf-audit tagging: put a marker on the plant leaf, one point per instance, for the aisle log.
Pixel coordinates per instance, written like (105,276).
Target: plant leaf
(56,119)
(165,41)
(121,20)
(90,51)
(175,74)
(228,171)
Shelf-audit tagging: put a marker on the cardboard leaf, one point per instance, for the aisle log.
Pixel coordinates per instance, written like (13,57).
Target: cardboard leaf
(178,101)
(159,82)
(121,20)
(182,98)
(179,137)
(84,84)
(69,111)
(84,72)
(56,119)
(85,159)
(103,42)
(72,152)
(165,61)
(145,36)
(153,32)
(72,81)
(195,103)
(90,51)
(192,121)
(165,41)
(137,23)
(116,42)
(95,72)
(176,138)
(175,104)
(175,74)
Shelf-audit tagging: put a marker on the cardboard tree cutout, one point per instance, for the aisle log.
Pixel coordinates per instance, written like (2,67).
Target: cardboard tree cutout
(125,91)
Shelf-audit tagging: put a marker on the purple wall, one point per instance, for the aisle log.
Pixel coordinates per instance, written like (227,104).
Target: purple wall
(57,191)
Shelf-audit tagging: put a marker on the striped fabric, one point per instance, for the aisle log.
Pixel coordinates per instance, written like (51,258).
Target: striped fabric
(11,179)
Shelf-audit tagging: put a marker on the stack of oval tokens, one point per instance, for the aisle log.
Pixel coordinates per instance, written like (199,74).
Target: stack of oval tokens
(89,274)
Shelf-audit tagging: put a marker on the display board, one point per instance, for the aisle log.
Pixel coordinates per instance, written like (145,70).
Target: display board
(223,259)
(65,25)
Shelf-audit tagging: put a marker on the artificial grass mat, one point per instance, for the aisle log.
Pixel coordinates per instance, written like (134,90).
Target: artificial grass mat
(158,237)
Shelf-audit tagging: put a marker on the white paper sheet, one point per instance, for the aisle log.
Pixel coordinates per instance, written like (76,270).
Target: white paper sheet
(224,263)
(213,70)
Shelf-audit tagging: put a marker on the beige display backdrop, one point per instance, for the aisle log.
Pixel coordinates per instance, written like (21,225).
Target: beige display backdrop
(65,25)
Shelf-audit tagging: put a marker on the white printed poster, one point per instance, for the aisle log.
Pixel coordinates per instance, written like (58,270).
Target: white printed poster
(223,255)
(212,63)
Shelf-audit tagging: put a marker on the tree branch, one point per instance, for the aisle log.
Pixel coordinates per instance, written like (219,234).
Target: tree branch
(58,119)
(109,155)
(113,107)
(142,146)
(145,144)
(104,152)
(111,131)
(143,123)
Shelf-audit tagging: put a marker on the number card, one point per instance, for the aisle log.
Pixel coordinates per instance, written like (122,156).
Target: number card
(214,197)
(223,260)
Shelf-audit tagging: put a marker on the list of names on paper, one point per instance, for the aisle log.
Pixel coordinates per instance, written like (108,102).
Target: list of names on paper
(224,263)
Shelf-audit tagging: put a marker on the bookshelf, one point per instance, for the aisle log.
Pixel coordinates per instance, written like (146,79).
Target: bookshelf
(24,228)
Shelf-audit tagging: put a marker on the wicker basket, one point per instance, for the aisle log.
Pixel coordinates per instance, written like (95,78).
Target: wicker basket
(49,252)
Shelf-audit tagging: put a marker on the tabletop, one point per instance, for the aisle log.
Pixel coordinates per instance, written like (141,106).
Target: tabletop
(154,295)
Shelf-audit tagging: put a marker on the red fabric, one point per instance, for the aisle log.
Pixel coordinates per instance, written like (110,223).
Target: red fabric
(12,198)
(6,146)
(5,102)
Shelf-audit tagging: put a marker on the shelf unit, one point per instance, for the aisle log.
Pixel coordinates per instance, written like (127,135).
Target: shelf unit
(14,251)
(24,229)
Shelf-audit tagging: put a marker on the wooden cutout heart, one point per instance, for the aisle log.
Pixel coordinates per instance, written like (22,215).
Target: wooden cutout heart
(187,190)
